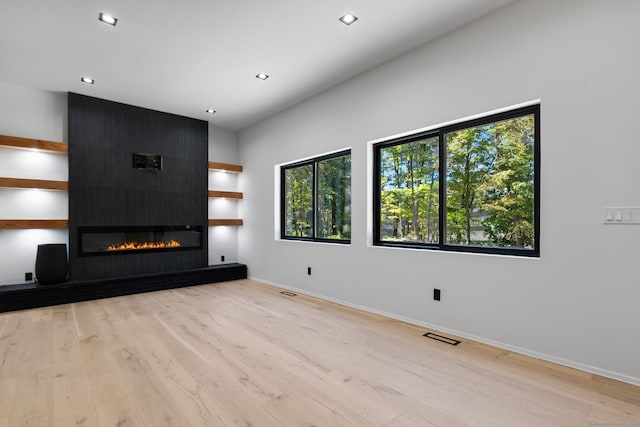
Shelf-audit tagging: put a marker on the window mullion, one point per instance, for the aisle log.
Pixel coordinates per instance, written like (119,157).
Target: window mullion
(314,199)
(283,203)
(442,187)
(377,210)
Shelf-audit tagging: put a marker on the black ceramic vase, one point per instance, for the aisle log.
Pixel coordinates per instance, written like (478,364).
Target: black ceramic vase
(51,263)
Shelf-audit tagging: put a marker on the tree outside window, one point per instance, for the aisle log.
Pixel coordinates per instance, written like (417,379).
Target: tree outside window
(316,199)
(473,186)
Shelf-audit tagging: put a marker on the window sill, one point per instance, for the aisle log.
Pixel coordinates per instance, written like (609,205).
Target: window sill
(453,251)
(315,242)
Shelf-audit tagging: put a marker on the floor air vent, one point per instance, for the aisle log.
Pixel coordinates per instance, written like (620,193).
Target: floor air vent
(441,338)
(289,294)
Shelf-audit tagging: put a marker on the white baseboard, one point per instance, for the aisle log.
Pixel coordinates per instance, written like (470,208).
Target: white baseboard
(542,356)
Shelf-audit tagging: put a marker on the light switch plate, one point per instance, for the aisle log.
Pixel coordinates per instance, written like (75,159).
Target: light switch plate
(622,215)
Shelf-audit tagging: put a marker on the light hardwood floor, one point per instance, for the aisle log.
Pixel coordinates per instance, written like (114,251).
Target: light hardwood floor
(242,354)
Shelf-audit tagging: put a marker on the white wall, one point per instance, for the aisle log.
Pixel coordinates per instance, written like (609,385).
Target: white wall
(223,240)
(30,113)
(578,303)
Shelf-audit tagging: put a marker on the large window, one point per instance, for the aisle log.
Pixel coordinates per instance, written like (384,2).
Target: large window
(316,199)
(472,186)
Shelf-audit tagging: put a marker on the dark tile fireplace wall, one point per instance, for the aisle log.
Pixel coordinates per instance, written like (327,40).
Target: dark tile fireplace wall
(106,191)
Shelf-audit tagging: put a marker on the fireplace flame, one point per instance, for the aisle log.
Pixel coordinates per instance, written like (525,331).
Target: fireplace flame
(133,246)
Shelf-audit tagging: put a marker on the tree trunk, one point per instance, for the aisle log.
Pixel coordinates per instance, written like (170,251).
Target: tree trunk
(467,196)
(414,204)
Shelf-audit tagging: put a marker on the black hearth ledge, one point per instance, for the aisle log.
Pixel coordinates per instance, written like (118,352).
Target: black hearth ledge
(32,295)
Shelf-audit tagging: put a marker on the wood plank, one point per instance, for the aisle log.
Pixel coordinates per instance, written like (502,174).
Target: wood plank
(228,167)
(241,353)
(221,402)
(72,395)
(101,339)
(33,396)
(27,143)
(9,338)
(226,194)
(216,222)
(291,370)
(16,224)
(34,183)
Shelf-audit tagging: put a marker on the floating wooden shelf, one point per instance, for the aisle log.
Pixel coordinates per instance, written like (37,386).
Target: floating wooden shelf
(228,167)
(27,143)
(16,224)
(214,222)
(33,183)
(226,194)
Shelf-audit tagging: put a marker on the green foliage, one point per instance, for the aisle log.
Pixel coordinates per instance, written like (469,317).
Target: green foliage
(468,155)
(489,187)
(333,200)
(409,192)
(509,189)
(298,201)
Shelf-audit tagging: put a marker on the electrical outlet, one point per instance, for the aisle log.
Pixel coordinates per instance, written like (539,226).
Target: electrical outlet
(309,271)
(28,277)
(436,294)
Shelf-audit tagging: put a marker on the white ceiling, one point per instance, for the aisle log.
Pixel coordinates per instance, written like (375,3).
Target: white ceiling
(185,56)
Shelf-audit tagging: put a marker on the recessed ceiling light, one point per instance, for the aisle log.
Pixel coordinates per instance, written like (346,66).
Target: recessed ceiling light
(262,76)
(87,80)
(210,111)
(108,19)
(348,19)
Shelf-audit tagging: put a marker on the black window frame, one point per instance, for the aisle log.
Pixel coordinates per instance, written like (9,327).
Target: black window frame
(314,162)
(441,133)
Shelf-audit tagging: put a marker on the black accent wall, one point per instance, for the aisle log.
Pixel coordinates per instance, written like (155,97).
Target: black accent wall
(105,190)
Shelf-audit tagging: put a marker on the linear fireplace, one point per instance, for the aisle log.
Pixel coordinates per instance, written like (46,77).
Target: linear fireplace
(132,239)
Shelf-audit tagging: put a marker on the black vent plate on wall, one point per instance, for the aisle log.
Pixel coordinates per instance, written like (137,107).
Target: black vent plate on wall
(150,162)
